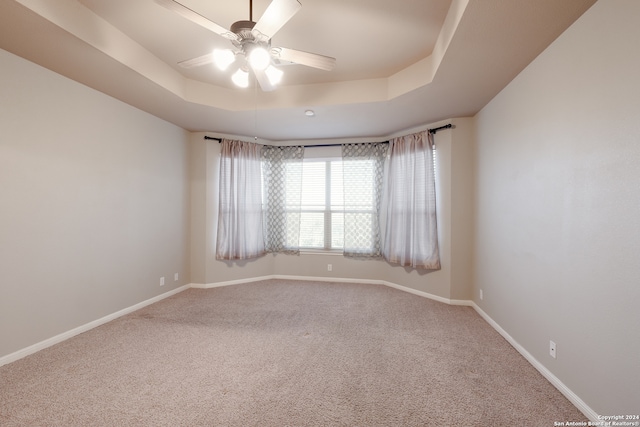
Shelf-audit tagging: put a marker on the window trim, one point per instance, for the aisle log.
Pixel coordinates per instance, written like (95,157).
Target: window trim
(328,210)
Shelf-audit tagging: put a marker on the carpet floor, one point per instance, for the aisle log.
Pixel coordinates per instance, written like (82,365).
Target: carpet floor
(284,353)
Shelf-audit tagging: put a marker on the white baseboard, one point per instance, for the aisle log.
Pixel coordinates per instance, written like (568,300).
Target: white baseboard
(88,326)
(230,282)
(84,328)
(570,395)
(337,280)
(555,381)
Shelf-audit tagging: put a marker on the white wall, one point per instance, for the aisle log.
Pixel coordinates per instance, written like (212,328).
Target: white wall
(94,205)
(558,204)
(455,177)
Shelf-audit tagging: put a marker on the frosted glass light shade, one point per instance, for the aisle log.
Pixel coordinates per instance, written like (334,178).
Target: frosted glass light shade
(223,58)
(273,74)
(240,78)
(259,58)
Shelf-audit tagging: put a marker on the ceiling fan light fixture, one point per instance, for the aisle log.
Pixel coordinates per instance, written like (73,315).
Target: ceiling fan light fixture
(240,78)
(259,58)
(252,40)
(274,74)
(223,58)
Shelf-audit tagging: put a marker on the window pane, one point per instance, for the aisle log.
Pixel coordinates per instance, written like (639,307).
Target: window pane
(337,189)
(313,183)
(323,204)
(361,181)
(312,230)
(337,230)
(361,226)
(291,229)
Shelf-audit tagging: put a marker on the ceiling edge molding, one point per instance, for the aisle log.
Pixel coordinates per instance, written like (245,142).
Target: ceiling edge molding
(93,30)
(422,72)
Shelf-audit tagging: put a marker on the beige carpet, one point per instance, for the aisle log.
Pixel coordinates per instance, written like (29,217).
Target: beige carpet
(284,353)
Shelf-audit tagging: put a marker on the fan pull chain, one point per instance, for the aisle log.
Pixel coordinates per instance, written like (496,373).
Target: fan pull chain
(255,112)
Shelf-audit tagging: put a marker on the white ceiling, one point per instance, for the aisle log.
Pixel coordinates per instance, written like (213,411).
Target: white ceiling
(400,64)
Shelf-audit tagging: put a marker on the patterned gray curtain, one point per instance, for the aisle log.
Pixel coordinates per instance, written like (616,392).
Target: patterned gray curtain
(282,192)
(363,169)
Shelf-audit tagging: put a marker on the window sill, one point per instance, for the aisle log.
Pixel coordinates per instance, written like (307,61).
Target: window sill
(320,252)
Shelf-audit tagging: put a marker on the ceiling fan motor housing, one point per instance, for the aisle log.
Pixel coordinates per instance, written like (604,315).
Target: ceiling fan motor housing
(243,28)
(247,39)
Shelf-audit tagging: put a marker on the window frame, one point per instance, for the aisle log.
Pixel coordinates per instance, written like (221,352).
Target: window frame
(327,211)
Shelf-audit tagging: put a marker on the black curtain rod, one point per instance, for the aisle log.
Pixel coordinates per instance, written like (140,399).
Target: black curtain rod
(432,131)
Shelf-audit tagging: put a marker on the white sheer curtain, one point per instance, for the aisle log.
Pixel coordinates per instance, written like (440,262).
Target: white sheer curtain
(410,234)
(240,233)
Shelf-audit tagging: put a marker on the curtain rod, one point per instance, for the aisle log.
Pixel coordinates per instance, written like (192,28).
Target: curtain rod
(432,131)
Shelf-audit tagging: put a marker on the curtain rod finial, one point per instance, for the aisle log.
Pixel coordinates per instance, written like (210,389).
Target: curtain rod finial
(433,131)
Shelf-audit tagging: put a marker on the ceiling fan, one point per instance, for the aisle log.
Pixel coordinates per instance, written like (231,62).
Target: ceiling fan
(252,44)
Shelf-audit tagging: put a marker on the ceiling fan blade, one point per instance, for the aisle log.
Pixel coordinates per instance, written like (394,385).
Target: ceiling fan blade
(263,80)
(196,18)
(277,14)
(196,62)
(304,58)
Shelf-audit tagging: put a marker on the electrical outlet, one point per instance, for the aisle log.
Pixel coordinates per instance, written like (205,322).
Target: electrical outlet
(552,349)
(162,281)
(329,267)
(481,296)
(175,277)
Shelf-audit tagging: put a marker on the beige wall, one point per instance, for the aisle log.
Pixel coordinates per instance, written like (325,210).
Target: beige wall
(455,175)
(558,203)
(204,219)
(462,209)
(198,193)
(93,205)
(539,197)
